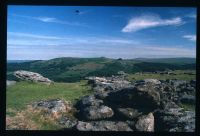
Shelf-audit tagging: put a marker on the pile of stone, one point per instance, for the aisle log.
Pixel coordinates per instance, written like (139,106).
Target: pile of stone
(31,76)
(118,105)
(145,105)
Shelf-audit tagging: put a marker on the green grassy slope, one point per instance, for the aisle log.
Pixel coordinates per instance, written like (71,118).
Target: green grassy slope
(24,93)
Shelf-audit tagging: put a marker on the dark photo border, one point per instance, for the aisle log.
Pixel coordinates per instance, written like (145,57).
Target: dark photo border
(143,3)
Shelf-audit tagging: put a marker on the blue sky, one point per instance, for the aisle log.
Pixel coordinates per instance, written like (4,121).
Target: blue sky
(46,32)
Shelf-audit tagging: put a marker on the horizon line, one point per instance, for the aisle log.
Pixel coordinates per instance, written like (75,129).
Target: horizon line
(102,57)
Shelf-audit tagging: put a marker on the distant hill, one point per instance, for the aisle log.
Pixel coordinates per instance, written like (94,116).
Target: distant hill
(68,69)
(168,60)
(18,61)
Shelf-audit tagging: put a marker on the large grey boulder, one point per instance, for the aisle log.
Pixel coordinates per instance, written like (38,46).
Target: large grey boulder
(108,83)
(88,101)
(148,94)
(31,76)
(145,123)
(96,113)
(143,96)
(103,126)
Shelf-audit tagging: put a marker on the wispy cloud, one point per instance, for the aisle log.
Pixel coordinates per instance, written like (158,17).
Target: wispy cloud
(33,46)
(35,39)
(149,21)
(84,12)
(46,19)
(191,15)
(190,37)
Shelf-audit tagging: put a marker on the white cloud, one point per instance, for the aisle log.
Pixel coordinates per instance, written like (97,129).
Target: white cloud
(191,15)
(33,46)
(46,19)
(190,37)
(149,21)
(15,38)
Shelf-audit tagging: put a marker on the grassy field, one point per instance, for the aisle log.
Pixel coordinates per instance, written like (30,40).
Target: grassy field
(179,75)
(19,96)
(24,93)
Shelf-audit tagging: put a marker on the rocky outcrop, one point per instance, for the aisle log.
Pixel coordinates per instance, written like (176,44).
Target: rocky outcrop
(31,76)
(145,105)
(118,105)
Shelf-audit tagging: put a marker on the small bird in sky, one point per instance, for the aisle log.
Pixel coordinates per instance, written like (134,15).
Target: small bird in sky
(77,11)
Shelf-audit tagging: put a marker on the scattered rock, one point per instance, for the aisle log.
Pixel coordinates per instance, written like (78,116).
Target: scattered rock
(32,76)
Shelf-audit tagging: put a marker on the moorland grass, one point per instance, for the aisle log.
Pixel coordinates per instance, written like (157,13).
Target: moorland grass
(179,76)
(25,93)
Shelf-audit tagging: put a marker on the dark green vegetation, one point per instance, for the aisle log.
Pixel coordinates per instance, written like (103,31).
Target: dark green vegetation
(75,69)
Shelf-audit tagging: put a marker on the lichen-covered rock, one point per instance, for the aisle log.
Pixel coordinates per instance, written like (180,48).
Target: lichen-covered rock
(31,76)
(89,101)
(55,107)
(175,119)
(103,126)
(148,94)
(68,122)
(94,113)
(145,123)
